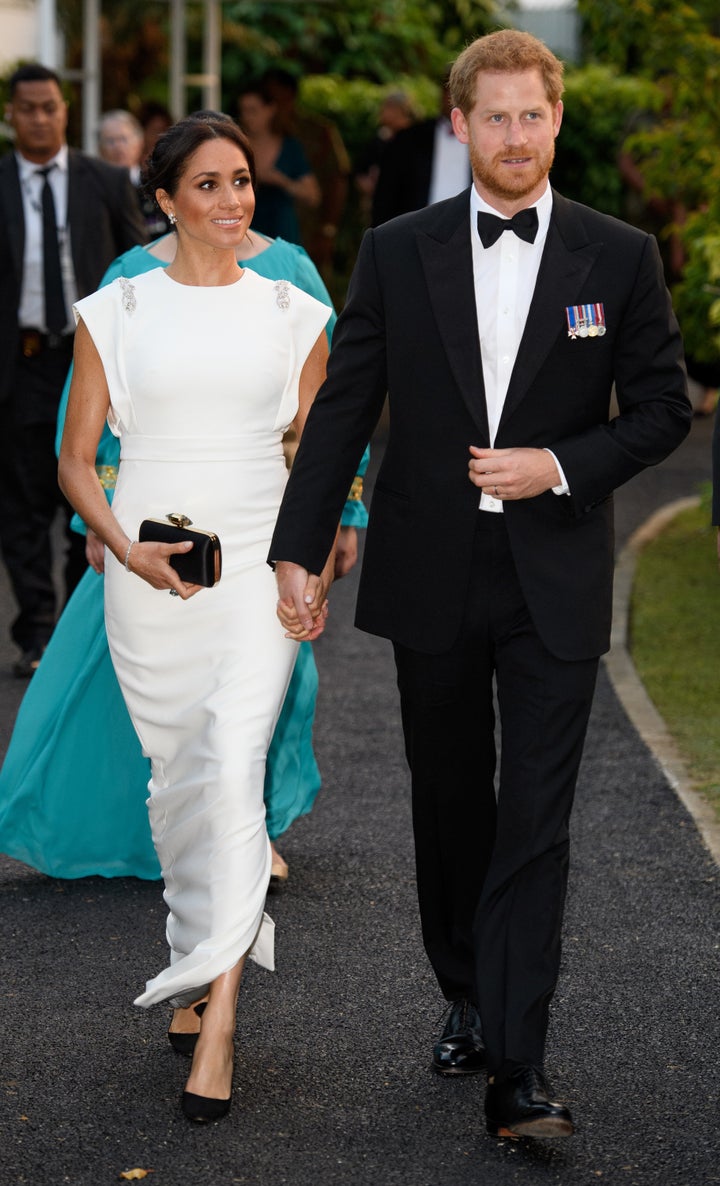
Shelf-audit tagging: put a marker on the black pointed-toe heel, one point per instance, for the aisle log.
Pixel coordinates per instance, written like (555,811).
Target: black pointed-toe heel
(203,1110)
(185,1043)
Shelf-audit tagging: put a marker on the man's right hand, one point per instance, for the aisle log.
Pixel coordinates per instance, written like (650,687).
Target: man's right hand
(302,605)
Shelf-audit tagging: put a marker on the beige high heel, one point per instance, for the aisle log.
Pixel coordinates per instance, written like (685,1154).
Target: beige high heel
(279,870)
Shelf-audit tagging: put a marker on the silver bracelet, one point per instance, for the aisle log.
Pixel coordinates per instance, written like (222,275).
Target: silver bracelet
(127,554)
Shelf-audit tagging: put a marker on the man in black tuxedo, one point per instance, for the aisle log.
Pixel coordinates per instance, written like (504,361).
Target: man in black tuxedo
(498,322)
(64,217)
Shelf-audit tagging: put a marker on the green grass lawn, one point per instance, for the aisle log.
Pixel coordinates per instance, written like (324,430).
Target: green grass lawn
(675,640)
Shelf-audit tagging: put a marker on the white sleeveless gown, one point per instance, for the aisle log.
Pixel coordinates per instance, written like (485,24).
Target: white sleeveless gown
(203,382)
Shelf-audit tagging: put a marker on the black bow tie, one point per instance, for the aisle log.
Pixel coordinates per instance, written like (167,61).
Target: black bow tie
(524,224)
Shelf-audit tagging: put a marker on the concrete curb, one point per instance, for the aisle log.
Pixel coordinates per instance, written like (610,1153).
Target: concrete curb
(631,691)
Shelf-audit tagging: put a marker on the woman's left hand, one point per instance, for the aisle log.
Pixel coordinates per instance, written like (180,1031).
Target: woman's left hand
(151,561)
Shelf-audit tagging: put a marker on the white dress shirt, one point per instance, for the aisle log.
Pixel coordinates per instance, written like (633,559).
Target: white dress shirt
(505,276)
(31,312)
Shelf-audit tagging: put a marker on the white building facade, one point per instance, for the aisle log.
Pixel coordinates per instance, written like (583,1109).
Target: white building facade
(28,29)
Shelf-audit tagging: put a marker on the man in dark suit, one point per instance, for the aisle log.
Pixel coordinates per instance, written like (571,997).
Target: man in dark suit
(64,217)
(498,322)
(421,165)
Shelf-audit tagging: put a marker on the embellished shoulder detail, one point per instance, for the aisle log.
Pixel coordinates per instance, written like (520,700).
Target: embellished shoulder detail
(129,300)
(282,293)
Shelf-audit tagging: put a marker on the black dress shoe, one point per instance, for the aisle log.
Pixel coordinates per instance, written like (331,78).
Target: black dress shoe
(185,1043)
(28,663)
(460,1049)
(519,1106)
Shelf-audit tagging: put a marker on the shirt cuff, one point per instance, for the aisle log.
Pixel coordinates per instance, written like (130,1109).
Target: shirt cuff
(563,488)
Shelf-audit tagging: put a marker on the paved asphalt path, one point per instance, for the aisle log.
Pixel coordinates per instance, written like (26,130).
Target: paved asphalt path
(332,1083)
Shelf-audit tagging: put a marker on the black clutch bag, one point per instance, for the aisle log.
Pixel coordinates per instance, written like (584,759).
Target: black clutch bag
(202,565)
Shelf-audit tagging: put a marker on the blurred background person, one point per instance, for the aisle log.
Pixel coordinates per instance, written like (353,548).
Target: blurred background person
(395,115)
(121,141)
(67,215)
(154,118)
(329,161)
(422,165)
(284,177)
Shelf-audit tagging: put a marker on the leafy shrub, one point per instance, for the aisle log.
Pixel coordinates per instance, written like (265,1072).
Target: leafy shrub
(599,103)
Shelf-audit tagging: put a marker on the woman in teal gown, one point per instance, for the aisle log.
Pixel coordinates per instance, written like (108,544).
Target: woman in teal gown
(74,781)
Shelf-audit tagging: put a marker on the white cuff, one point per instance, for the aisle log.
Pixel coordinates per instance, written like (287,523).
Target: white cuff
(563,488)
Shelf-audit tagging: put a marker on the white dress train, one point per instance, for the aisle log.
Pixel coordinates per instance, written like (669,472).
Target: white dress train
(203,382)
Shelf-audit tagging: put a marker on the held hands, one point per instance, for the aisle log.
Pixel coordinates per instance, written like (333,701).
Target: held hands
(151,562)
(302,605)
(510,474)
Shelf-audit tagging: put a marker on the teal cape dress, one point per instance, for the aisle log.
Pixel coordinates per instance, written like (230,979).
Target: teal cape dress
(73,785)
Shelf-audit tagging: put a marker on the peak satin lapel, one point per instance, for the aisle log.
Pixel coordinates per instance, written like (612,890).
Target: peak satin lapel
(563,271)
(448,271)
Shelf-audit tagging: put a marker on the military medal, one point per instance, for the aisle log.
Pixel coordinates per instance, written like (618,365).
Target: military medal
(586,321)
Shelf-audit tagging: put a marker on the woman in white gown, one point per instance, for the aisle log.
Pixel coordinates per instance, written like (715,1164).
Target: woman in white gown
(199,371)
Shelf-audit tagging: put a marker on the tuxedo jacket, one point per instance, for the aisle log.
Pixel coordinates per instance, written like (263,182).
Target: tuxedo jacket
(410,328)
(103,218)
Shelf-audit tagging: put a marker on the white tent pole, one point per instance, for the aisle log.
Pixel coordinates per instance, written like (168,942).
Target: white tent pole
(91,75)
(211,54)
(47,35)
(178,69)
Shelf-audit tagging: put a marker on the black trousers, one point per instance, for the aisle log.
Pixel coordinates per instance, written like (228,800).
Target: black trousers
(30,495)
(492,862)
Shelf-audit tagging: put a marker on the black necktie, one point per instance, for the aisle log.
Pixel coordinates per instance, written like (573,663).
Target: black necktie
(524,224)
(55,311)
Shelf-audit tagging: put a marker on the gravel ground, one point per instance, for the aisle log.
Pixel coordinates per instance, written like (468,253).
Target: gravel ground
(332,1083)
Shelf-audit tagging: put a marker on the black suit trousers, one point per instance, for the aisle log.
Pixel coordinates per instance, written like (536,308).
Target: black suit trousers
(30,495)
(492,853)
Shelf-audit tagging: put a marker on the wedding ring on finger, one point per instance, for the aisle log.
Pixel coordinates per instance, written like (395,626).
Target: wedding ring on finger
(174,593)
(496,491)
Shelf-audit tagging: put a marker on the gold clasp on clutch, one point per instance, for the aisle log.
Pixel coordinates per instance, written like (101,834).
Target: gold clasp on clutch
(178,520)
